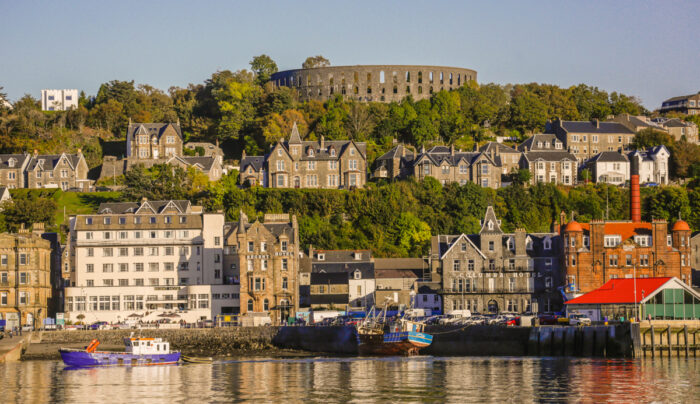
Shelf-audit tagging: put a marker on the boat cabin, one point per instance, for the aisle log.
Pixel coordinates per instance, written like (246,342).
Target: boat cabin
(146,346)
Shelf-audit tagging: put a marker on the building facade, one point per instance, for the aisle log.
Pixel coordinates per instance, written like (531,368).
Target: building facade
(494,271)
(59,100)
(685,104)
(13,170)
(609,167)
(147,260)
(65,171)
(378,83)
(585,139)
(445,164)
(357,267)
(25,278)
(598,251)
(336,164)
(152,141)
(653,164)
(264,258)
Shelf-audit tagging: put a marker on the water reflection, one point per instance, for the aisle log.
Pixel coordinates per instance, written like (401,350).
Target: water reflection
(360,380)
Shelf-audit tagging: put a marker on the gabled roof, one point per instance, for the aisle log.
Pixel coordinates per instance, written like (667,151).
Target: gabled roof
(48,162)
(609,157)
(625,230)
(497,147)
(549,155)
(294,137)
(19,160)
(205,163)
(590,127)
(182,206)
(533,141)
(680,98)
(456,241)
(621,291)
(254,161)
(151,129)
(490,217)
(397,152)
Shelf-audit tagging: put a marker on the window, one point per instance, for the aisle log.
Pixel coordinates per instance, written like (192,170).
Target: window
(107,282)
(586,241)
(251,246)
(285,264)
(123,267)
(455,265)
(153,267)
(23,259)
(250,265)
(548,282)
(669,240)
(283,245)
(107,252)
(153,251)
(89,282)
(123,252)
(138,282)
(470,265)
(250,304)
(613,241)
(264,265)
(491,245)
(88,220)
(511,285)
(138,267)
(169,251)
(547,244)
(107,267)
(23,298)
(138,251)
(644,260)
(628,260)
(612,260)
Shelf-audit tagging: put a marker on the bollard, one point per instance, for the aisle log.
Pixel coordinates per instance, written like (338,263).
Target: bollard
(685,334)
(653,342)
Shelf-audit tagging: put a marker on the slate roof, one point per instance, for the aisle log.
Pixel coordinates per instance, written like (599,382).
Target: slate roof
(51,160)
(437,158)
(20,159)
(609,157)
(400,263)
(397,152)
(590,127)
(679,98)
(151,128)
(132,207)
(548,139)
(275,228)
(397,274)
(342,255)
(326,278)
(499,148)
(205,162)
(254,161)
(648,155)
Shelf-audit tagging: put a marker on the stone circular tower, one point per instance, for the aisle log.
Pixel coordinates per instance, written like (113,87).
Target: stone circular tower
(380,83)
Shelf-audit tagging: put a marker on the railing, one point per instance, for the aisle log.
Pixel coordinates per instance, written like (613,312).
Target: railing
(486,291)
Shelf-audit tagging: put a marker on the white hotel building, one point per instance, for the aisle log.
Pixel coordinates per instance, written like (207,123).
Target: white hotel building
(148,261)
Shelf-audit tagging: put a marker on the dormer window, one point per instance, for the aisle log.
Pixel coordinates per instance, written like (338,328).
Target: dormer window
(321,257)
(528,243)
(613,241)
(510,244)
(547,244)
(357,274)
(490,225)
(107,220)
(11,163)
(332,152)
(88,220)
(557,145)
(310,152)
(358,256)
(643,241)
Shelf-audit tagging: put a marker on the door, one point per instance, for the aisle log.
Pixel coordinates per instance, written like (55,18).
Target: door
(492,306)
(297,182)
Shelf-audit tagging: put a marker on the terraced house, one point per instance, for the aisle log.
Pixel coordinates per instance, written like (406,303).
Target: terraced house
(494,271)
(585,139)
(548,160)
(264,258)
(443,163)
(336,164)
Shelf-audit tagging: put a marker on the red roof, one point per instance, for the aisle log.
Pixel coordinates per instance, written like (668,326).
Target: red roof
(681,225)
(624,229)
(618,291)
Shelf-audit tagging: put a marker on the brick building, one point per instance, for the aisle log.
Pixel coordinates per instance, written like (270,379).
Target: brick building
(25,277)
(598,251)
(333,164)
(264,258)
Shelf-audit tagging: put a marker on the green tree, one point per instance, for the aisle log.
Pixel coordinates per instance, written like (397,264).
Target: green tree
(263,66)
(527,111)
(315,61)
(28,210)
(649,137)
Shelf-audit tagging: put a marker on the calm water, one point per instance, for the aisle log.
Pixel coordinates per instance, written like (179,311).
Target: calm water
(360,380)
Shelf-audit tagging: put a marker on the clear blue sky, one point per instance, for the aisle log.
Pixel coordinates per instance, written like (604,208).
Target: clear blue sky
(647,49)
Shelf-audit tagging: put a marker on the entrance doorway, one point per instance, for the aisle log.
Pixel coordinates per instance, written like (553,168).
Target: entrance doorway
(492,306)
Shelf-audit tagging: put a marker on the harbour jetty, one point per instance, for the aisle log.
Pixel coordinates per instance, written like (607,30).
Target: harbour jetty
(612,341)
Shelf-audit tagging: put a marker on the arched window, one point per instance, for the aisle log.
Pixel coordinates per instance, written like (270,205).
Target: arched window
(381,76)
(420,77)
(250,304)
(395,77)
(355,76)
(450,78)
(266,305)
(369,78)
(430,77)
(356,90)
(420,90)
(408,77)
(492,306)
(442,78)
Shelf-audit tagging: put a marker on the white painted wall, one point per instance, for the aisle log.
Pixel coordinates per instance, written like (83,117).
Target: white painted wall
(59,100)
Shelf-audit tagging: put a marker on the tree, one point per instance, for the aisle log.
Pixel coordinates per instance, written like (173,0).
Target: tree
(28,210)
(649,137)
(522,177)
(527,111)
(263,66)
(684,155)
(315,61)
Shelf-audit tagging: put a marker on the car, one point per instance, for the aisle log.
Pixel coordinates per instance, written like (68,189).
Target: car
(650,184)
(548,319)
(98,325)
(579,319)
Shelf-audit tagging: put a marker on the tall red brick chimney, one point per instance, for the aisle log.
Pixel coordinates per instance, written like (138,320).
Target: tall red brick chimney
(635,208)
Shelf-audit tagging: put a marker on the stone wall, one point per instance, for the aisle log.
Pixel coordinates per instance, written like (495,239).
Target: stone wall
(213,341)
(380,83)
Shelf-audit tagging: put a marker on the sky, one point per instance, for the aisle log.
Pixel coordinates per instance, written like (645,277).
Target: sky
(648,49)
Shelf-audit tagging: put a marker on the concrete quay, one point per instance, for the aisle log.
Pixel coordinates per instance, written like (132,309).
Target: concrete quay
(11,348)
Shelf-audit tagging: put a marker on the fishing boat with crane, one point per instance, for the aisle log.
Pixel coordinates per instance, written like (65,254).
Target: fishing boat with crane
(377,336)
(138,351)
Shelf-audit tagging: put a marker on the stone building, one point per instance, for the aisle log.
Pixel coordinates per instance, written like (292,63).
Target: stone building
(25,277)
(264,258)
(585,139)
(148,144)
(601,250)
(545,156)
(145,260)
(494,271)
(443,163)
(379,83)
(146,141)
(357,268)
(653,164)
(12,170)
(685,104)
(334,164)
(508,157)
(675,127)
(65,171)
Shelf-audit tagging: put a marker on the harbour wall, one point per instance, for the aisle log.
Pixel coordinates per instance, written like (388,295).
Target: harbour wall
(192,341)
(613,341)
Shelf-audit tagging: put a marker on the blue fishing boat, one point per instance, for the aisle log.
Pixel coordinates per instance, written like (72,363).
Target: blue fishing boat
(377,337)
(138,352)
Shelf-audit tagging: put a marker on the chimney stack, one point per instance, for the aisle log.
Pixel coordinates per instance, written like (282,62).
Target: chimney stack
(635,208)
(323,142)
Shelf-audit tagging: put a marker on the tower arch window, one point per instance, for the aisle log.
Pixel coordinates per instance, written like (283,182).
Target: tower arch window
(381,76)
(369,78)
(430,77)
(395,77)
(356,77)
(420,77)
(408,77)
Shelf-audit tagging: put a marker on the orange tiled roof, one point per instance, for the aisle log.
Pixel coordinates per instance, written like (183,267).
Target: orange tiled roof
(624,229)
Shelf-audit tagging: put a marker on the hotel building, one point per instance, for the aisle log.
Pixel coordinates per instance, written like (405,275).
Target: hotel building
(148,261)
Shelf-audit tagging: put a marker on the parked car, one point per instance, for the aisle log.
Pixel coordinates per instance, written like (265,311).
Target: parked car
(98,325)
(579,319)
(548,319)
